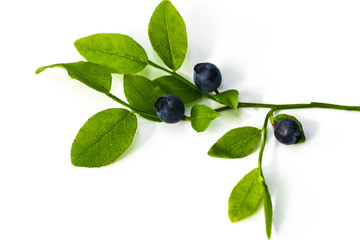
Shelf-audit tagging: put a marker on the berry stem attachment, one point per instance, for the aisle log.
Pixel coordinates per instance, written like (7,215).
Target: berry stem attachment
(272,120)
(186,118)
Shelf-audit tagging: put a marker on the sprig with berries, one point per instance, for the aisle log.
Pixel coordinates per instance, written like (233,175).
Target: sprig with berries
(109,133)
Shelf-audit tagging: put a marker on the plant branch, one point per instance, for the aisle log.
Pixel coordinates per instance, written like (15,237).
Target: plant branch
(276,107)
(264,136)
(116,99)
(268,209)
(181,78)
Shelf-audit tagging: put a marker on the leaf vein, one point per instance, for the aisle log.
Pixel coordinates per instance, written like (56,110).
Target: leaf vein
(87,150)
(84,76)
(115,53)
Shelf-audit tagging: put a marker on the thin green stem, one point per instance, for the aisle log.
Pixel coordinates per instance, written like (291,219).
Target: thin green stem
(116,99)
(263,142)
(292,106)
(257,105)
(268,209)
(181,78)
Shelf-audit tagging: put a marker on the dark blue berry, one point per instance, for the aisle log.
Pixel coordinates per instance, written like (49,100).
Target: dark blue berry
(207,77)
(287,131)
(170,108)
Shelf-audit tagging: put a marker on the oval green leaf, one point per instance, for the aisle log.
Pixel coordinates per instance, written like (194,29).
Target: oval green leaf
(229,98)
(246,196)
(103,138)
(268,210)
(142,94)
(93,75)
(113,50)
(167,33)
(277,118)
(172,85)
(202,116)
(236,143)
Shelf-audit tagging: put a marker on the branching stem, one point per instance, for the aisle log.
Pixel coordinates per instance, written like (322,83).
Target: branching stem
(263,142)
(116,99)
(181,78)
(276,107)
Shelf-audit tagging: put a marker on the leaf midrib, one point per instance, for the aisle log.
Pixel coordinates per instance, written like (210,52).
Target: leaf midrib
(247,192)
(109,132)
(83,76)
(207,117)
(168,37)
(113,53)
(151,102)
(250,137)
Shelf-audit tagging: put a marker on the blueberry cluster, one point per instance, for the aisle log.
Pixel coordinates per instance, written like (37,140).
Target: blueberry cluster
(207,78)
(170,108)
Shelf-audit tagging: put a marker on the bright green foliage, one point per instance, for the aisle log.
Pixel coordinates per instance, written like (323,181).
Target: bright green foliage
(201,117)
(91,74)
(142,94)
(277,118)
(172,85)
(113,50)
(268,210)
(167,33)
(229,98)
(236,143)
(103,138)
(246,196)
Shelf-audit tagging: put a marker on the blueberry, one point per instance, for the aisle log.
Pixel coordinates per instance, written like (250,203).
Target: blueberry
(207,77)
(288,131)
(170,108)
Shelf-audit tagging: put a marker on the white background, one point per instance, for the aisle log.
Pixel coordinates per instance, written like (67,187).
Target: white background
(165,186)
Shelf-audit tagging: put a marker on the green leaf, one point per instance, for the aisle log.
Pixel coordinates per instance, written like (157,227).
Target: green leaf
(229,98)
(201,117)
(277,118)
(116,51)
(172,85)
(91,74)
(236,143)
(268,210)
(246,196)
(167,33)
(142,94)
(103,138)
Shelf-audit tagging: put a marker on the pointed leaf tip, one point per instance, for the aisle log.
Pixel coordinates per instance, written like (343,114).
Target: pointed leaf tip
(229,98)
(167,34)
(246,196)
(103,138)
(113,50)
(202,116)
(236,143)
